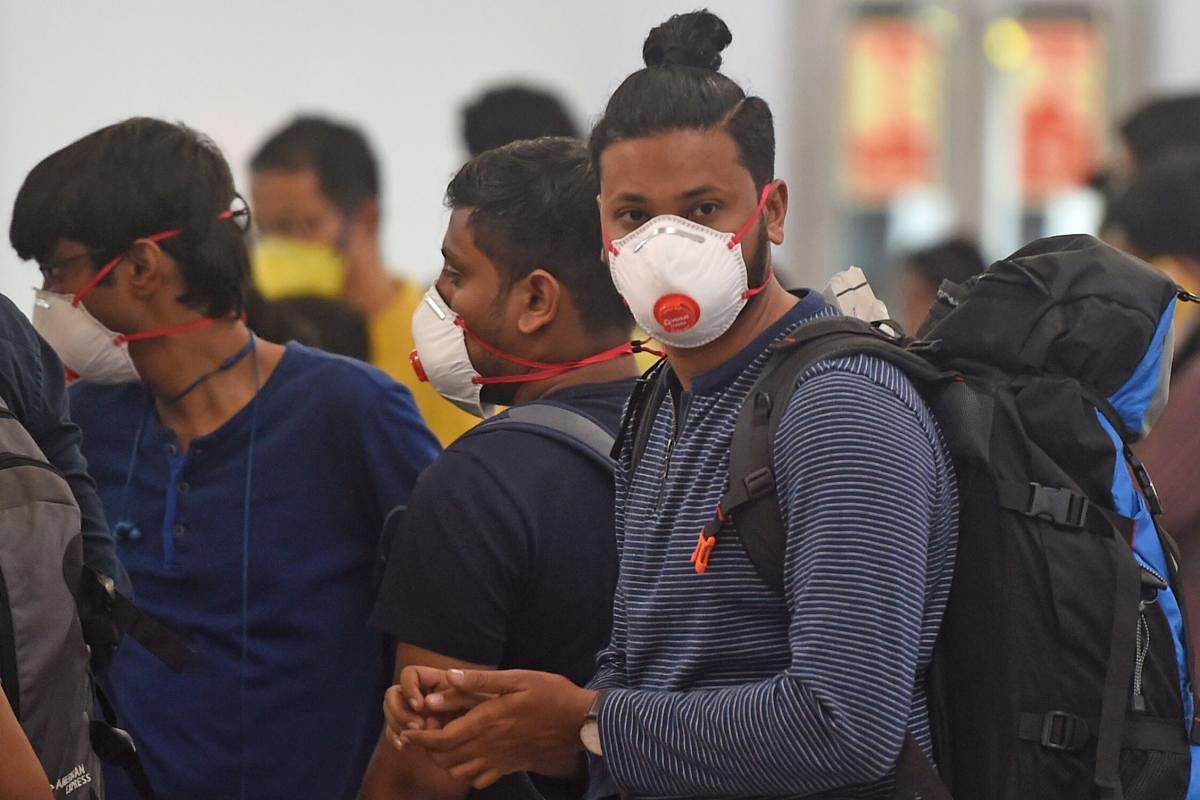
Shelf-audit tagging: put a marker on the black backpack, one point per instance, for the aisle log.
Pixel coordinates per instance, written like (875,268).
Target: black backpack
(58,618)
(1057,672)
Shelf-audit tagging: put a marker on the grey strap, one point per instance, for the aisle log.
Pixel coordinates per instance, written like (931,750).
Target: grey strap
(564,421)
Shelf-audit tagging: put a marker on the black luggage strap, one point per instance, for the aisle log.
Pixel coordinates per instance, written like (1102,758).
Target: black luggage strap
(1156,733)
(1115,696)
(115,747)
(760,525)
(139,625)
(1063,507)
(1055,730)
(1060,506)
(1062,730)
(916,778)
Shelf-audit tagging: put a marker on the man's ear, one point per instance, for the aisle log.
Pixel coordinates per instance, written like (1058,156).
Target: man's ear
(151,267)
(368,216)
(775,211)
(540,296)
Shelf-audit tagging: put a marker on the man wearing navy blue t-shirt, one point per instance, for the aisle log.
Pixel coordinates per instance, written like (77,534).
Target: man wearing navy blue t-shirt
(246,481)
(505,557)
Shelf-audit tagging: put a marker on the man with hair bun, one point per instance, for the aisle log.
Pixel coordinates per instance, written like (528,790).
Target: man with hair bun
(714,683)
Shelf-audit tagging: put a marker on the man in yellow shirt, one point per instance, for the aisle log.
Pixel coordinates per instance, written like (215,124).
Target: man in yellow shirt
(315,195)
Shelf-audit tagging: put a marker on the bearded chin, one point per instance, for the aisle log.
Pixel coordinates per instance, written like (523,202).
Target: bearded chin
(758,262)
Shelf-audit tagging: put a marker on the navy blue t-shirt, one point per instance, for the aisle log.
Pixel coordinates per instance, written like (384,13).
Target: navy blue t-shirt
(335,445)
(506,554)
(33,385)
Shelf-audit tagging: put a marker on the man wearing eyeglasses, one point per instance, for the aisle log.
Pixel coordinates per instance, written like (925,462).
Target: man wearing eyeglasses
(246,481)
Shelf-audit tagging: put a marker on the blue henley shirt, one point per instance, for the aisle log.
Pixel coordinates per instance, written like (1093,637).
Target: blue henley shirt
(336,444)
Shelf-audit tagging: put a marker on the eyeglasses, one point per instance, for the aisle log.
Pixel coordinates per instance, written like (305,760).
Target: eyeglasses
(52,270)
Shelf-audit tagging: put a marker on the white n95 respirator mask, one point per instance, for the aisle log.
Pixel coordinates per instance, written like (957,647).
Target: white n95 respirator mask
(442,359)
(684,282)
(82,342)
(441,356)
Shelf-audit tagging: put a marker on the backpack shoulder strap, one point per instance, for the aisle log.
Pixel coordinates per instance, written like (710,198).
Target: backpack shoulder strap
(751,495)
(647,397)
(555,422)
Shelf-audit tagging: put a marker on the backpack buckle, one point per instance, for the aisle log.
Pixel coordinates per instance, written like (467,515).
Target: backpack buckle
(703,552)
(1057,505)
(108,584)
(1063,731)
(759,483)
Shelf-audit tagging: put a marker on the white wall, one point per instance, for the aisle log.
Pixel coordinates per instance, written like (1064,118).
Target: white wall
(1174,59)
(401,69)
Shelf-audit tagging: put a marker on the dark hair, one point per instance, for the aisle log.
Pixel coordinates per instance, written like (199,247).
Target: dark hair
(953,260)
(326,324)
(534,206)
(1159,212)
(681,89)
(512,113)
(346,169)
(133,179)
(1161,125)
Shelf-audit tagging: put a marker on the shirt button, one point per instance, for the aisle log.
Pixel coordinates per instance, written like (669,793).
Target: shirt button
(171,450)
(183,487)
(180,529)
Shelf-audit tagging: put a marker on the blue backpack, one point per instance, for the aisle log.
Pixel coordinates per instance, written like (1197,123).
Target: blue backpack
(1063,668)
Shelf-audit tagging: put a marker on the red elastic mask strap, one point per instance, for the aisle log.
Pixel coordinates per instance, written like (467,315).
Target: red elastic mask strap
(746,295)
(544,369)
(187,327)
(111,265)
(608,245)
(762,203)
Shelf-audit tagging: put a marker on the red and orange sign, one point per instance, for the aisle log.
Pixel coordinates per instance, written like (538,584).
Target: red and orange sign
(1061,105)
(892,108)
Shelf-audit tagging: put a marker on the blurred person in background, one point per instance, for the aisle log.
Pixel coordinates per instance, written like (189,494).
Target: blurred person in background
(511,113)
(922,272)
(1155,129)
(315,193)
(1159,218)
(319,322)
(249,480)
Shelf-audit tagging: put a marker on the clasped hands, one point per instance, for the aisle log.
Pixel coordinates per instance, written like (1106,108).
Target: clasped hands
(480,725)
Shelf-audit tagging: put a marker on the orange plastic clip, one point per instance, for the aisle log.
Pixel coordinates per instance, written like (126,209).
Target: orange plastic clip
(704,548)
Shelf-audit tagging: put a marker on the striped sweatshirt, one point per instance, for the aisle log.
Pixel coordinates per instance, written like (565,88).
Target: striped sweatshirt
(720,687)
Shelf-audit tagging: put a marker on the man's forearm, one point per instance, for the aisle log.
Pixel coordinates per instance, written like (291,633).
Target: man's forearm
(771,737)
(400,775)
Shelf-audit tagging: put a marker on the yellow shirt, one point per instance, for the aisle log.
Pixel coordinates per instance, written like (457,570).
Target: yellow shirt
(390,332)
